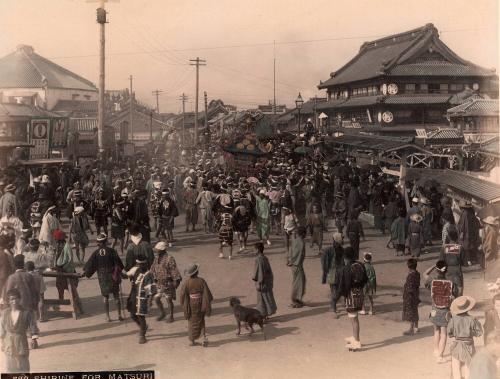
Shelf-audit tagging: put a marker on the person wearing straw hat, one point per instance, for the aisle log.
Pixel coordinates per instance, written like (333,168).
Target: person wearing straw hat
(167,277)
(463,328)
(454,256)
(143,287)
(108,265)
(490,239)
(415,237)
(196,299)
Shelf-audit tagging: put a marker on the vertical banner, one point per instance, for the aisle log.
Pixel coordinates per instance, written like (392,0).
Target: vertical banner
(59,133)
(39,136)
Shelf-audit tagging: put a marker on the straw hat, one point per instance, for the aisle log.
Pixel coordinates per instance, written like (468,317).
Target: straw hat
(10,188)
(102,237)
(161,246)
(191,270)
(491,220)
(462,304)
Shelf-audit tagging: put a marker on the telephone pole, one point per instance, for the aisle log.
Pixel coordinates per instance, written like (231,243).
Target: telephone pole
(197,62)
(183,98)
(101,20)
(131,111)
(206,108)
(274,77)
(157,93)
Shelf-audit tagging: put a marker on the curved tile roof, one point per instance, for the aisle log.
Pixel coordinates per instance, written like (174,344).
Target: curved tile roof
(26,69)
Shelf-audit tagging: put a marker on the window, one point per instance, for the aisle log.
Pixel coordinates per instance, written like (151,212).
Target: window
(424,88)
(372,90)
(443,88)
(87,97)
(75,96)
(410,88)
(456,87)
(434,88)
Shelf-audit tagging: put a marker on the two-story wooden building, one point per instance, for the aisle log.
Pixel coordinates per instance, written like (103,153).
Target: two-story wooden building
(401,83)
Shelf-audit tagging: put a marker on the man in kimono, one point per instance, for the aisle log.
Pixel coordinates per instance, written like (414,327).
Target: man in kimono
(296,262)
(190,197)
(142,288)
(25,284)
(14,325)
(196,300)
(468,228)
(263,213)
(6,261)
(9,200)
(167,278)
(137,248)
(108,265)
(263,278)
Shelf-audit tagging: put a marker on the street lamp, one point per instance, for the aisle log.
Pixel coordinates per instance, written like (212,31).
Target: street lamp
(298,104)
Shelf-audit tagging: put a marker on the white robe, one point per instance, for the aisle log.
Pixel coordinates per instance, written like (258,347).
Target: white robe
(49,224)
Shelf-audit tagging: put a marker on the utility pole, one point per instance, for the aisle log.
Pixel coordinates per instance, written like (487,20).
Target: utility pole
(274,78)
(183,98)
(157,93)
(151,128)
(206,108)
(315,115)
(131,111)
(101,20)
(197,62)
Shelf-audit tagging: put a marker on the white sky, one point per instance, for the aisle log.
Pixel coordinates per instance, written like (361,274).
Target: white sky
(155,30)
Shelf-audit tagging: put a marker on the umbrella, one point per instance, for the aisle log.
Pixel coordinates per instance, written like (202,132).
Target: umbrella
(253,180)
(303,150)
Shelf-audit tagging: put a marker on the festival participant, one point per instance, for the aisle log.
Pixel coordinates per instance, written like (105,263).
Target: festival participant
(6,260)
(370,288)
(35,219)
(64,264)
(463,328)
(226,235)
(354,231)
(11,224)
(167,212)
(137,248)
(262,211)
(26,285)
(142,289)
(14,325)
(167,278)
(196,299)
(427,219)
(40,288)
(290,222)
(453,255)
(108,265)
(9,201)
(339,212)
(78,232)
(352,280)
(190,196)
(390,212)
(275,207)
(315,225)
(118,223)
(140,214)
(332,261)
(448,221)
(415,238)
(484,363)
(296,262)
(398,234)
(468,232)
(241,222)
(101,210)
(154,199)
(411,297)
(205,201)
(442,294)
(49,224)
(264,281)
(490,240)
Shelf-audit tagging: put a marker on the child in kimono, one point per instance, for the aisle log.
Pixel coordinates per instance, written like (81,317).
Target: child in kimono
(463,328)
(371,284)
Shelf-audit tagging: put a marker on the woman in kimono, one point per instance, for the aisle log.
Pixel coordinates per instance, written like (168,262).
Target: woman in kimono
(196,300)
(14,326)
(263,278)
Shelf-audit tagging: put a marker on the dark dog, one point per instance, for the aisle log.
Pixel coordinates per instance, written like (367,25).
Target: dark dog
(249,316)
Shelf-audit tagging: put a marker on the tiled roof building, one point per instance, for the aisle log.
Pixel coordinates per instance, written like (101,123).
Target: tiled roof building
(409,78)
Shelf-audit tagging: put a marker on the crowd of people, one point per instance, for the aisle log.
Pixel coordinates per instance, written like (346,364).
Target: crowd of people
(48,215)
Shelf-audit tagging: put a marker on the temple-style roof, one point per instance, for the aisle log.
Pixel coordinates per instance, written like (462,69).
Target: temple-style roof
(417,52)
(475,107)
(26,69)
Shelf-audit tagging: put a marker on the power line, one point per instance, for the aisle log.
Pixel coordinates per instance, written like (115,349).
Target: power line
(258,44)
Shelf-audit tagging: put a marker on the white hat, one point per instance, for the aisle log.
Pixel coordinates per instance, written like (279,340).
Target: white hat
(415,200)
(191,171)
(79,210)
(262,192)
(161,246)
(45,179)
(157,185)
(491,220)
